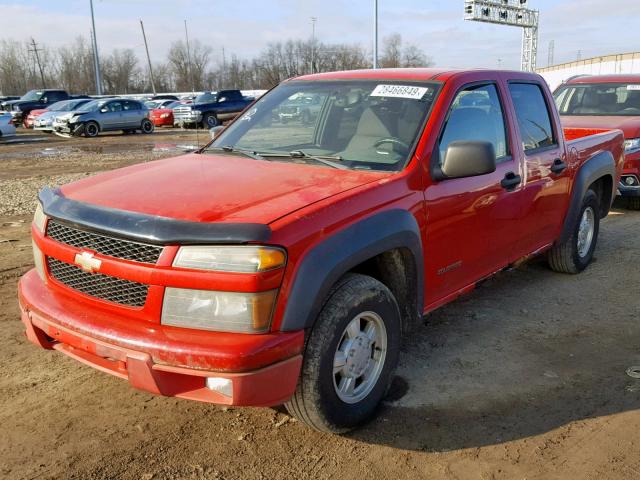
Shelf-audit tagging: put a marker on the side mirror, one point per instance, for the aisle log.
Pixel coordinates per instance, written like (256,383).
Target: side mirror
(104,110)
(467,159)
(215,131)
(222,99)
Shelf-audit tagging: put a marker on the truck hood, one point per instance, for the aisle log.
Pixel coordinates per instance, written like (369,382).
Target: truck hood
(629,125)
(216,188)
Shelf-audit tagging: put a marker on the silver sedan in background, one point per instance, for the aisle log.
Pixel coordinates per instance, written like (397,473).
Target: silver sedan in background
(105,115)
(44,121)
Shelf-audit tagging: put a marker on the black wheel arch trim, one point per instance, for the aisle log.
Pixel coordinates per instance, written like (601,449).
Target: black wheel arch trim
(600,165)
(147,228)
(327,262)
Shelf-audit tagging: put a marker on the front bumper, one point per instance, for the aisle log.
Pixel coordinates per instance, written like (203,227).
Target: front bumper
(631,169)
(163,360)
(186,118)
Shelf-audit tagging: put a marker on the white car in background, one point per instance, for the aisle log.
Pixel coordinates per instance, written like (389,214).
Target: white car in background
(7,128)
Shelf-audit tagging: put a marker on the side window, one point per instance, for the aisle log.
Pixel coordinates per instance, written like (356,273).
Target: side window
(115,107)
(534,121)
(476,115)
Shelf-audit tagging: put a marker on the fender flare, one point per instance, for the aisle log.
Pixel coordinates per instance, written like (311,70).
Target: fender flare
(323,265)
(600,165)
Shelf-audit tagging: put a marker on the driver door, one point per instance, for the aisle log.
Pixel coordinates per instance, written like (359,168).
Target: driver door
(470,221)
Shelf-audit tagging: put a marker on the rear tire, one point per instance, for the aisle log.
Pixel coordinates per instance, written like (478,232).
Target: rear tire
(147,126)
(633,203)
(575,254)
(91,129)
(350,356)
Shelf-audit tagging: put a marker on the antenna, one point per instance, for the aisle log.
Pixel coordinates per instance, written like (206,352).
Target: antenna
(36,50)
(146,47)
(514,13)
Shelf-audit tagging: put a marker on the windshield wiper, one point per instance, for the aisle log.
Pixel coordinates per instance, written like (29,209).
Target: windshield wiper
(244,151)
(324,159)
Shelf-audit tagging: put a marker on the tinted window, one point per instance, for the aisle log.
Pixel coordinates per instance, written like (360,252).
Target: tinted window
(533,117)
(599,99)
(115,107)
(476,115)
(130,105)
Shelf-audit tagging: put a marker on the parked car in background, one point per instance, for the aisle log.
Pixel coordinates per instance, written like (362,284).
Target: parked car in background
(44,121)
(302,108)
(601,102)
(212,108)
(105,116)
(7,128)
(61,106)
(162,115)
(35,99)
(164,97)
(286,263)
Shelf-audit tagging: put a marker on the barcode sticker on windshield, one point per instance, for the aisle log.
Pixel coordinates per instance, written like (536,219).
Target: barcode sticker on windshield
(633,87)
(399,91)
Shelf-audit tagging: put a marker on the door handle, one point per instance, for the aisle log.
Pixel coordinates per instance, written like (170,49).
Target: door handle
(510,181)
(558,166)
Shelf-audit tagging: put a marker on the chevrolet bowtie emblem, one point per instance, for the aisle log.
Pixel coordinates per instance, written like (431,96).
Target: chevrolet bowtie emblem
(87,262)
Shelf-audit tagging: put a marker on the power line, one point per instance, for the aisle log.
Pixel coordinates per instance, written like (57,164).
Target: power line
(35,50)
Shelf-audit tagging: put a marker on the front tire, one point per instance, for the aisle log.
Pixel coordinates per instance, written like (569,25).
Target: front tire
(91,129)
(210,120)
(147,126)
(576,253)
(350,357)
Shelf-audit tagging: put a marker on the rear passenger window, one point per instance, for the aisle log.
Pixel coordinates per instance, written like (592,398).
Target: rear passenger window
(476,115)
(534,121)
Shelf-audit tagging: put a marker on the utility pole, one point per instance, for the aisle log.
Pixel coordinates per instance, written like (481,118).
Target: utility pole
(579,56)
(550,54)
(146,47)
(375,33)
(224,70)
(313,43)
(186,34)
(36,50)
(96,60)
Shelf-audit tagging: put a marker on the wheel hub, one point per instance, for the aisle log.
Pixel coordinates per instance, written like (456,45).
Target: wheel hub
(586,231)
(358,356)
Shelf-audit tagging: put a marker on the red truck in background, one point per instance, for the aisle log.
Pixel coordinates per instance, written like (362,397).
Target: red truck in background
(604,102)
(284,262)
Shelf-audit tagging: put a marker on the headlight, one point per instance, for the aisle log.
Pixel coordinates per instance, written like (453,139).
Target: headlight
(218,311)
(631,145)
(74,119)
(196,112)
(39,218)
(164,115)
(241,259)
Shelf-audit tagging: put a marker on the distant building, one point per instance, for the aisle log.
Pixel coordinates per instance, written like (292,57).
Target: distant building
(606,65)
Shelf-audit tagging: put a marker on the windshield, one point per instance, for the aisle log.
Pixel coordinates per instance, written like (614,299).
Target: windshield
(151,104)
(358,124)
(32,95)
(91,106)
(614,99)
(206,98)
(59,106)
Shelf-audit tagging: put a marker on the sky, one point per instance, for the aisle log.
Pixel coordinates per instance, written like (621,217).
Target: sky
(244,27)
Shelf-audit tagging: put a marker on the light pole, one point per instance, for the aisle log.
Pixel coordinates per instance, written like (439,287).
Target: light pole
(313,43)
(96,61)
(375,33)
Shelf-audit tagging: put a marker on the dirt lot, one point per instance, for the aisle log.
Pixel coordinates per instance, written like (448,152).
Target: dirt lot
(523,379)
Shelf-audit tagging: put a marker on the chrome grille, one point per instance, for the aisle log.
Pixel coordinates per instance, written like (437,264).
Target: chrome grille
(110,246)
(98,285)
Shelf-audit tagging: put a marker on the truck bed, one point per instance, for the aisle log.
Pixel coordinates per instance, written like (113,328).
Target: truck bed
(583,143)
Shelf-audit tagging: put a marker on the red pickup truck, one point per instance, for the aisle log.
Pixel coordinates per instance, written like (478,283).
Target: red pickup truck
(601,102)
(284,262)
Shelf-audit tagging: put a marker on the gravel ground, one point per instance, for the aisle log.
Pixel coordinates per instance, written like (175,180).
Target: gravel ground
(525,378)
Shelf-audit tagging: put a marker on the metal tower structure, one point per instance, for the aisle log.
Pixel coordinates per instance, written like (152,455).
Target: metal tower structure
(514,13)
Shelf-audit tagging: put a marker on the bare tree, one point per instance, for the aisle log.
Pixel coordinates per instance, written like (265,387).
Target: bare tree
(395,55)
(121,72)
(183,70)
